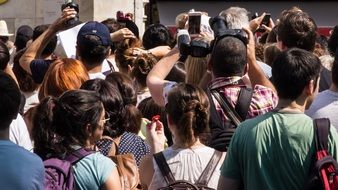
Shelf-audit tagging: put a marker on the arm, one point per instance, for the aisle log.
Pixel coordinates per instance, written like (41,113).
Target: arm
(36,47)
(147,171)
(10,72)
(227,183)
(113,181)
(256,75)
(155,78)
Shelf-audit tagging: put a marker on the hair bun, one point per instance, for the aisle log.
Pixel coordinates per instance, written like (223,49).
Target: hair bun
(196,106)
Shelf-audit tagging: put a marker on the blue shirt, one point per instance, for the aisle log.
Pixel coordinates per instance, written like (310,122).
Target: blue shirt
(19,168)
(39,69)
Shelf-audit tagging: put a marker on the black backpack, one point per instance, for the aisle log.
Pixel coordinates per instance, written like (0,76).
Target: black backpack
(222,132)
(201,183)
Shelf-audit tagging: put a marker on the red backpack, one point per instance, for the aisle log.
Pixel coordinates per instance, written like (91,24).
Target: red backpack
(324,174)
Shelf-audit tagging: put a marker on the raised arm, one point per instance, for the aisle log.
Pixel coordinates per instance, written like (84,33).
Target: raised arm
(37,46)
(155,79)
(255,72)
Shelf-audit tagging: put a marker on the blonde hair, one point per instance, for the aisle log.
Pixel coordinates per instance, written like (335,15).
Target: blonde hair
(195,68)
(62,75)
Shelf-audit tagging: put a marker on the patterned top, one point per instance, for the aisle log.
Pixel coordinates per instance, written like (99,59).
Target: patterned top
(263,99)
(129,143)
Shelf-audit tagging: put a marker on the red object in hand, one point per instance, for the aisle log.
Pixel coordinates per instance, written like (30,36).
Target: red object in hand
(156,118)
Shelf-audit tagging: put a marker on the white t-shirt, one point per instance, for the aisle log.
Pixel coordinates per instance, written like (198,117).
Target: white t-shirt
(32,99)
(18,133)
(97,76)
(325,105)
(186,164)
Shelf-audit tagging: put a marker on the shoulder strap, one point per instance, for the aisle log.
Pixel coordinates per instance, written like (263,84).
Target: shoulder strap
(244,102)
(209,169)
(114,150)
(214,116)
(321,130)
(77,155)
(227,108)
(164,168)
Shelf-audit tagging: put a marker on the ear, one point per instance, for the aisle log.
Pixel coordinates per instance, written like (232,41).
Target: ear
(310,88)
(246,69)
(89,129)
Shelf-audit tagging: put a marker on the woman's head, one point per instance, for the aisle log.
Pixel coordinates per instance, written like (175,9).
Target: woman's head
(113,104)
(195,68)
(142,66)
(124,55)
(62,75)
(188,110)
(77,117)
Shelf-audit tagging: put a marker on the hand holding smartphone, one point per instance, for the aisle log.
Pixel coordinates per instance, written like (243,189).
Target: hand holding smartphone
(194,22)
(265,21)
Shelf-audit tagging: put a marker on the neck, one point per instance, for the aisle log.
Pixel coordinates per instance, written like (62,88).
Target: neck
(93,69)
(177,144)
(4,134)
(334,88)
(290,106)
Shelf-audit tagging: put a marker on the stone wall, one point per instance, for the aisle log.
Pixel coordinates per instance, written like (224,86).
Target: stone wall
(36,12)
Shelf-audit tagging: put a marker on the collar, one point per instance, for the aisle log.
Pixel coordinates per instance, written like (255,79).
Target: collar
(226,81)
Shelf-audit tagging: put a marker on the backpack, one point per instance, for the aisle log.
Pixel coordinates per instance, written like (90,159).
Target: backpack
(200,184)
(324,172)
(126,166)
(222,132)
(59,174)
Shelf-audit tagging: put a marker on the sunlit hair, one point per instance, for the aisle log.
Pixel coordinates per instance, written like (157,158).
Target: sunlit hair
(62,75)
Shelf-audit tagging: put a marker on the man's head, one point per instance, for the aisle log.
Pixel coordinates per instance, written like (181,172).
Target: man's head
(93,43)
(297,29)
(157,35)
(9,100)
(228,57)
(23,35)
(236,17)
(294,71)
(50,47)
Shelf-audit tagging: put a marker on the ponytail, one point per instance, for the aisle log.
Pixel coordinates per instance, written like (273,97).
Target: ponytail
(43,132)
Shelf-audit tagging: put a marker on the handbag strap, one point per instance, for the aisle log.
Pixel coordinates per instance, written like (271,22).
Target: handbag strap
(321,130)
(114,149)
(164,168)
(209,169)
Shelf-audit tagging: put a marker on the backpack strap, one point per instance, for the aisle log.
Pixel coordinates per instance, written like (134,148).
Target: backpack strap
(164,168)
(214,116)
(244,102)
(77,155)
(321,129)
(209,169)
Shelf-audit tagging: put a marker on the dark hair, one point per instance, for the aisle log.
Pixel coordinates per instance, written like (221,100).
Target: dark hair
(188,108)
(334,71)
(10,98)
(50,47)
(229,57)
(297,29)
(149,108)
(142,66)
(272,36)
(25,80)
(62,123)
(91,53)
(113,104)
(333,41)
(292,70)
(4,56)
(125,86)
(321,46)
(23,35)
(157,35)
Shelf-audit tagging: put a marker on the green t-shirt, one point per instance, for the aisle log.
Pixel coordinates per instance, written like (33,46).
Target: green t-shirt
(92,171)
(273,151)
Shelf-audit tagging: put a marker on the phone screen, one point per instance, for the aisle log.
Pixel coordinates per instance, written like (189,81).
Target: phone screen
(194,24)
(266,19)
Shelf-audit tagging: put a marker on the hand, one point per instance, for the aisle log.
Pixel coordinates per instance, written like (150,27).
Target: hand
(269,27)
(255,23)
(61,23)
(122,34)
(250,46)
(155,136)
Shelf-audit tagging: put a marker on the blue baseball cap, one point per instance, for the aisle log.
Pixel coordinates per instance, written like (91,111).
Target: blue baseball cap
(96,29)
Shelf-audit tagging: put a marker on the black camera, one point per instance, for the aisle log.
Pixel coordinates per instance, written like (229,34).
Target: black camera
(75,6)
(219,26)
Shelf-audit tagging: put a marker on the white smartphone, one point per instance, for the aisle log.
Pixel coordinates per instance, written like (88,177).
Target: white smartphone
(194,23)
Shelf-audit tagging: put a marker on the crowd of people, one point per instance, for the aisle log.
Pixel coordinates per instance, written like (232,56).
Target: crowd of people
(246,107)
